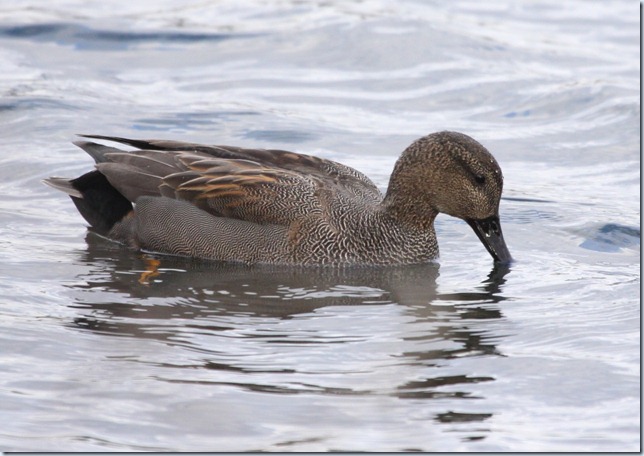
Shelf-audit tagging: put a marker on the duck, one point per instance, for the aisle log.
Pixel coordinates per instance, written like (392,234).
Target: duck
(269,206)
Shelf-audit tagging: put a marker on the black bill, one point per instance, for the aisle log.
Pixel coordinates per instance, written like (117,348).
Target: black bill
(489,232)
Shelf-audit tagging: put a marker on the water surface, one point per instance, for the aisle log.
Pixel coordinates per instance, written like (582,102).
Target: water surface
(99,355)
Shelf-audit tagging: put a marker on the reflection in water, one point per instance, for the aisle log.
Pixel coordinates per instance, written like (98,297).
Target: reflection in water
(193,288)
(185,299)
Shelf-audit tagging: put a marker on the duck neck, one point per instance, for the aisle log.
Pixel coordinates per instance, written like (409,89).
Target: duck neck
(408,213)
(407,237)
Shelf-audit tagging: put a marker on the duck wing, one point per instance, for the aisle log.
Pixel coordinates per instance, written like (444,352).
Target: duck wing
(257,185)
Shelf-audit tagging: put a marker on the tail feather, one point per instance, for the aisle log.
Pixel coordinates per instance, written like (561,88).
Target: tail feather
(64,185)
(95,198)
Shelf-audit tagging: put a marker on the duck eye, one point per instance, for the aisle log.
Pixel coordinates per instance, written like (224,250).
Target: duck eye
(480,179)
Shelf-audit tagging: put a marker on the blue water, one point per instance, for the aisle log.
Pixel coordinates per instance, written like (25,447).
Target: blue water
(461,356)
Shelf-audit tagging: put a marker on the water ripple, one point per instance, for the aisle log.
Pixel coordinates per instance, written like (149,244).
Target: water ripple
(86,38)
(611,237)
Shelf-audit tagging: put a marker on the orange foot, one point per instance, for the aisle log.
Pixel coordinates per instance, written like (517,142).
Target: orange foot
(151,270)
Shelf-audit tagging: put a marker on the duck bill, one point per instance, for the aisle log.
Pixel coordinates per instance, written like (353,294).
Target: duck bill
(489,232)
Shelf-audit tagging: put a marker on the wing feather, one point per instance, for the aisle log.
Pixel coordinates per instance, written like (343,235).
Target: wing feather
(257,185)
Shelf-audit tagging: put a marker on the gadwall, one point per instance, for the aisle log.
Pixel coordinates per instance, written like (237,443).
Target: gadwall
(273,206)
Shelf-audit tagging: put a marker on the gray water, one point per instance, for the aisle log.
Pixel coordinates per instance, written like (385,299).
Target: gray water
(461,356)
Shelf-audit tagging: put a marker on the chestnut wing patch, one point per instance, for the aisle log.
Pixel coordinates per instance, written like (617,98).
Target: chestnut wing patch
(243,189)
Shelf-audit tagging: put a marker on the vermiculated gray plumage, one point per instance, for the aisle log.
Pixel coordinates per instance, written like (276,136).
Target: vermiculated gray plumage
(273,206)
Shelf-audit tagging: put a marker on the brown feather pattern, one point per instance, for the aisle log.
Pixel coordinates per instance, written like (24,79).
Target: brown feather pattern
(276,206)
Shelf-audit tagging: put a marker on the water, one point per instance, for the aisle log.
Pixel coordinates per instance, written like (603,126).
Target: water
(541,356)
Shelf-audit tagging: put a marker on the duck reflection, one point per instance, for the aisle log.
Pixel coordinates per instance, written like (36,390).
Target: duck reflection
(147,296)
(192,288)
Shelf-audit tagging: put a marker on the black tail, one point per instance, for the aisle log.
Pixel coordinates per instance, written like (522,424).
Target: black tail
(98,202)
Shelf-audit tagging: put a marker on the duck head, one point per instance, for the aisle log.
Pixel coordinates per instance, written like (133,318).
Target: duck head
(451,173)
